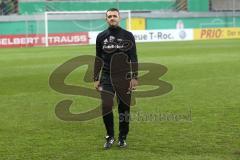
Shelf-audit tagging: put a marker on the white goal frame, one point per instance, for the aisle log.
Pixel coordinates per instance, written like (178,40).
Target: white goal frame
(46,14)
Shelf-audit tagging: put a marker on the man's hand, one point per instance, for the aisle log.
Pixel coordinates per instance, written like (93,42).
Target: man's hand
(133,84)
(97,85)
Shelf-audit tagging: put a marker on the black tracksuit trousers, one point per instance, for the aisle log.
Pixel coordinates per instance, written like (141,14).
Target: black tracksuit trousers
(123,99)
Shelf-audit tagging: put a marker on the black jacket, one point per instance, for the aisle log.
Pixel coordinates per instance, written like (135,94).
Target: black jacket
(112,41)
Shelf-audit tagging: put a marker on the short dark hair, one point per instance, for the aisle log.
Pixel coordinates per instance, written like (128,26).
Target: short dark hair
(112,9)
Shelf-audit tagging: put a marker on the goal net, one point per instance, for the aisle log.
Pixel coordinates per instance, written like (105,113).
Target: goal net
(73,27)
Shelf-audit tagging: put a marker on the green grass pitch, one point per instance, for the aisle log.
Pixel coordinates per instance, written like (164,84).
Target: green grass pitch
(206,83)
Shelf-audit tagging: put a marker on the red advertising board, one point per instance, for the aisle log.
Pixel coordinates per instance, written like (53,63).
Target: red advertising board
(30,40)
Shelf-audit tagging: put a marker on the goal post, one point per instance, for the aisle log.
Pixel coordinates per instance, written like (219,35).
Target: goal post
(76,17)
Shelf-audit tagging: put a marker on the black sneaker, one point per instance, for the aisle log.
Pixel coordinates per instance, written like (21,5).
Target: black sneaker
(122,142)
(109,142)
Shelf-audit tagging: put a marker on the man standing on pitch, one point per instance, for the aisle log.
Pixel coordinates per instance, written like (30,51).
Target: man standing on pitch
(115,72)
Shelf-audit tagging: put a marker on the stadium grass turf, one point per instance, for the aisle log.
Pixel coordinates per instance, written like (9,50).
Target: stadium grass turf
(206,89)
